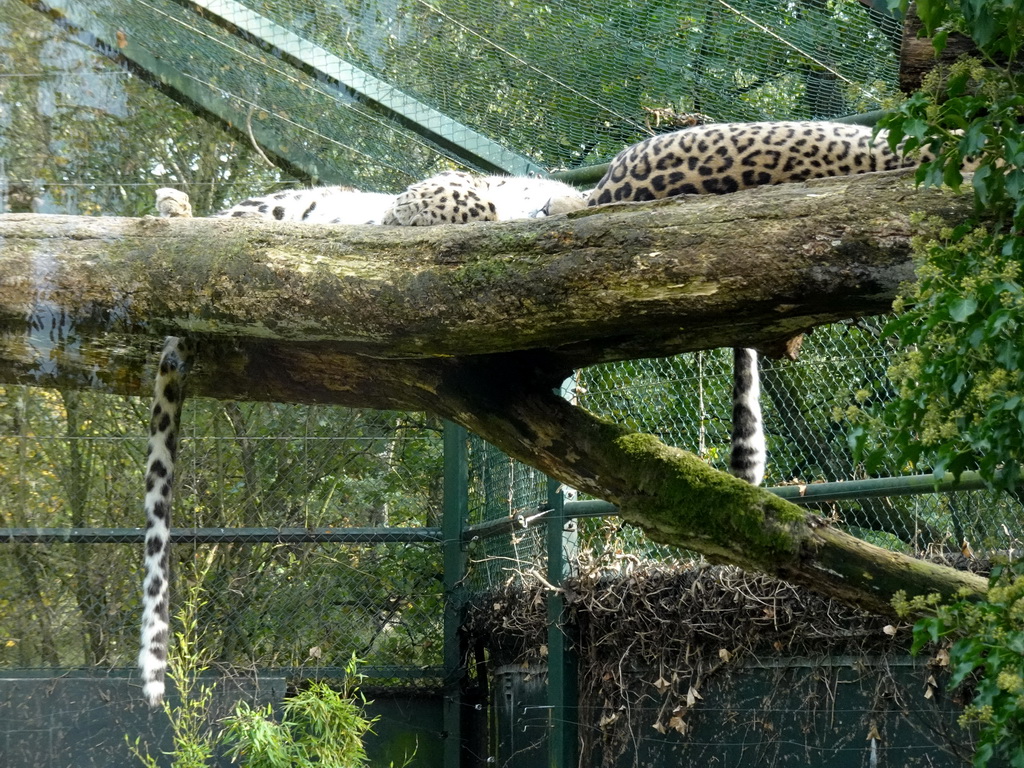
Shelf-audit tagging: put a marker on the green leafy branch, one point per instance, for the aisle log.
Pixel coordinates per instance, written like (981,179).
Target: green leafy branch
(986,651)
(961,379)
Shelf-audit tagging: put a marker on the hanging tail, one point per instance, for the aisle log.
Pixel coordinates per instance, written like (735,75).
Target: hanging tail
(749,456)
(160,457)
(161,454)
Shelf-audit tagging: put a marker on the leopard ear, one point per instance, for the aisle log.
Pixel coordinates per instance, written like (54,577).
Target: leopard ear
(561,204)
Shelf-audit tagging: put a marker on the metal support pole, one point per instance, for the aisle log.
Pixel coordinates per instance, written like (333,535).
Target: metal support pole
(456,510)
(563,668)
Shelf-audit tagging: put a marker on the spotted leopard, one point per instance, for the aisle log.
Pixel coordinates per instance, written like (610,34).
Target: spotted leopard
(726,157)
(444,198)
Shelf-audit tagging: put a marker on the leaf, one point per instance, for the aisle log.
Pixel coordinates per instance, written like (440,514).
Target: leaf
(983,28)
(1015,183)
(962,309)
(958,383)
(932,13)
(959,672)
(926,630)
(1015,642)
(677,723)
(692,696)
(952,177)
(983,185)
(916,128)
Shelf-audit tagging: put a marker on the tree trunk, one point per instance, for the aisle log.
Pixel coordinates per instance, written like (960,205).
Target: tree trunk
(321,314)
(918,56)
(478,323)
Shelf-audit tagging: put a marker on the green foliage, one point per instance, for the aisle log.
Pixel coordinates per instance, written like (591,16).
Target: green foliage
(320,726)
(986,650)
(961,381)
(78,134)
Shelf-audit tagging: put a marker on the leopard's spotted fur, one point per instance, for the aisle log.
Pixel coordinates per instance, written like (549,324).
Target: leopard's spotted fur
(160,461)
(726,157)
(318,205)
(454,197)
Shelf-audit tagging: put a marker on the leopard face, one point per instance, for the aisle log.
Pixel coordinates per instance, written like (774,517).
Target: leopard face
(726,157)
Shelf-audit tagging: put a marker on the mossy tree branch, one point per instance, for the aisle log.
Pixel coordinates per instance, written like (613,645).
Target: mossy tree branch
(677,499)
(478,323)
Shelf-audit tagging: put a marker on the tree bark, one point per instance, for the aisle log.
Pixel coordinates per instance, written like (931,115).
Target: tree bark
(918,56)
(678,499)
(605,284)
(478,323)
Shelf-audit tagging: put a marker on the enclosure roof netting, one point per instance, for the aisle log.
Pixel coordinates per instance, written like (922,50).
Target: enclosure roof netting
(379,93)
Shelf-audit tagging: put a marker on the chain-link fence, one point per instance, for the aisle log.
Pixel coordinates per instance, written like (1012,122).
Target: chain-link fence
(686,401)
(807,405)
(315,533)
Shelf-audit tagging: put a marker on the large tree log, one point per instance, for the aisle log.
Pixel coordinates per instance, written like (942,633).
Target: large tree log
(639,280)
(477,323)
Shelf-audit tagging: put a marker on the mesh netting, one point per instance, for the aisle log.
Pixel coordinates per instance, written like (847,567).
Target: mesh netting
(686,401)
(268,602)
(379,94)
(500,489)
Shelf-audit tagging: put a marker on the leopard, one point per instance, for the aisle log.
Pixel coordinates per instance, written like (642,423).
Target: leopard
(721,158)
(442,198)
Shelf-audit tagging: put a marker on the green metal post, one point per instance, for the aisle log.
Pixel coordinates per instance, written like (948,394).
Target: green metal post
(563,677)
(456,509)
